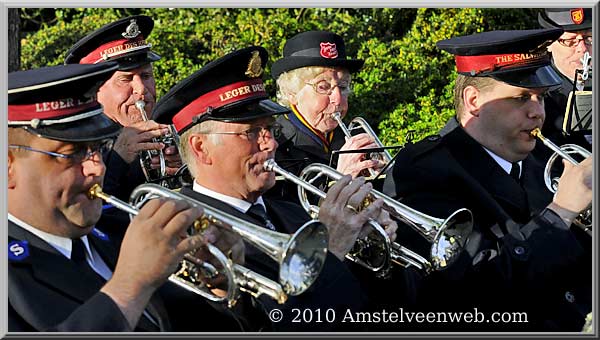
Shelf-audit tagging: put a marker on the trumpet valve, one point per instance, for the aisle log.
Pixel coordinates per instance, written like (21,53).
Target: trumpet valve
(366,202)
(199,226)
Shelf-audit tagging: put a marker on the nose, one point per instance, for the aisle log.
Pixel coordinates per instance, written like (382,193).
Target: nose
(537,110)
(137,84)
(267,142)
(93,166)
(335,97)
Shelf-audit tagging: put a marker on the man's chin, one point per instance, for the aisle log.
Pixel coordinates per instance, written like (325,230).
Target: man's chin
(265,182)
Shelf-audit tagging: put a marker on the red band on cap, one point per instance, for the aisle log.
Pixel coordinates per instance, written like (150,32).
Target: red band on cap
(218,98)
(483,63)
(48,110)
(117,47)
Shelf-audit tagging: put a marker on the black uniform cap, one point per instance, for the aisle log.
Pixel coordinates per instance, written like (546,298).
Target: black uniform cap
(569,19)
(314,48)
(519,58)
(229,89)
(59,102)
(123,41)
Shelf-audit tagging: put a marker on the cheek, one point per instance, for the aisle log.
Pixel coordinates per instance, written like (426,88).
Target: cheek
(150,84)
(111,95)
(311,104)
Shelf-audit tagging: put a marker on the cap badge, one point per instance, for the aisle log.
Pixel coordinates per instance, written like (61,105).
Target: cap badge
(577,15)
(132,30)
(329,50)
(254,66)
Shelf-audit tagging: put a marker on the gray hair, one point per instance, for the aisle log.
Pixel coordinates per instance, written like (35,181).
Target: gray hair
(184,147)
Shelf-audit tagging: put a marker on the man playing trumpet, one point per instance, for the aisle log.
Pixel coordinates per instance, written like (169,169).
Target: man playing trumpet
(568,53)
(124,41)
(228,131)
(523,255)
(64,273)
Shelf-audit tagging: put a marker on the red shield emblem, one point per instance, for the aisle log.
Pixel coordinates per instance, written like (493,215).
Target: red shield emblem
(328,50)
(577,15)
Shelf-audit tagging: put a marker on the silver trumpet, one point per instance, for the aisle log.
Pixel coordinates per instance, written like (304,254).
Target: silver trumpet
(447,237)
(300,256)
(584,220)
(153,175)
(193,273)
(360,123)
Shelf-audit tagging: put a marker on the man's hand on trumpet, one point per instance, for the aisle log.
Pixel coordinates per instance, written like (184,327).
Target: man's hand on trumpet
(152,248)
(172,158)
(574,192)
(138,137)
(341,212)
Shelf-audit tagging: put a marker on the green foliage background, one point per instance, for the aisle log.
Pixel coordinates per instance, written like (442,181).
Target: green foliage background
(405,87)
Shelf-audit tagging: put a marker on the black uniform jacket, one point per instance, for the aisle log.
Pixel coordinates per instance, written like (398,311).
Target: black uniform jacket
(336,288)
(119,181)
(520,256)
(121,178)
(47,292)
(298,148)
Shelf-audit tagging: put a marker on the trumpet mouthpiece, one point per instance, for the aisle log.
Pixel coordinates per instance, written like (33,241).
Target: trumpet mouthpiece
(269,164)
(535,132)
(140,104)
(94,192)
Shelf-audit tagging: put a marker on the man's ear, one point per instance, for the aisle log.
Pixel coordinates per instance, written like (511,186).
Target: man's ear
(472,100)
(12,180)
(198,146)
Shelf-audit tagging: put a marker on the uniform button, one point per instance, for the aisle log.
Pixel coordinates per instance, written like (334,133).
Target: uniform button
(519,250)
(570,297)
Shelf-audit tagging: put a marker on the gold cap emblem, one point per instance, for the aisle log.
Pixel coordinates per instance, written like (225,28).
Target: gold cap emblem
(132,30)
(254,66)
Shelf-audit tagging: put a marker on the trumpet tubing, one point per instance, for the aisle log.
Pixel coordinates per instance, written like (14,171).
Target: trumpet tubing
(447,236)
(300,256)
(383,247)
(584,220)
(383,156)
(170,139)
(188,275)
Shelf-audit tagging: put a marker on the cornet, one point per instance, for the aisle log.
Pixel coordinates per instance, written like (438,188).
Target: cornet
(160,174)
(360,123)
(447,237)
(584,220)
(300,256)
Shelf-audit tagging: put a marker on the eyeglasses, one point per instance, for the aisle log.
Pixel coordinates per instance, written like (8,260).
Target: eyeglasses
(587,39)
(83,151)
(326,88)
(254,132)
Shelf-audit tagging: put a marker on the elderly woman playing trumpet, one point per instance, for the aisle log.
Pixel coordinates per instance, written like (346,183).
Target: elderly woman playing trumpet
(313,80)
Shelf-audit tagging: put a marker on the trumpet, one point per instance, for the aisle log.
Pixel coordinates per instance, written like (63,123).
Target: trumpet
(300,256)
(360,123)
(447,237)
(159,175)
(584,220)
